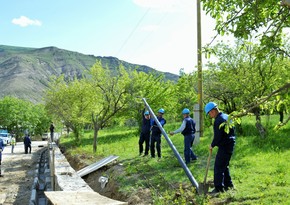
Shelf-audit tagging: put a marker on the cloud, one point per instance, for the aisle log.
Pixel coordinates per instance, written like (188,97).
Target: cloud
(23,21)
(150,28)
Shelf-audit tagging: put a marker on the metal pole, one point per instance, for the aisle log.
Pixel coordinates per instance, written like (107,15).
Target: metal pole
(177,155)
(199,68)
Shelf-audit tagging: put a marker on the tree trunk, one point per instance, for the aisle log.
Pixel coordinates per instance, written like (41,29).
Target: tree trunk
(281,114)
(67,130)
(96,130)
(259,125)
(76,132)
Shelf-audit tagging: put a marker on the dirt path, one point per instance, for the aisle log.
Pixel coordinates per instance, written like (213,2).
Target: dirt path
(18,170)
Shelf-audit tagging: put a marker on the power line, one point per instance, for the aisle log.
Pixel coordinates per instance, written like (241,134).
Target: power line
(132,32)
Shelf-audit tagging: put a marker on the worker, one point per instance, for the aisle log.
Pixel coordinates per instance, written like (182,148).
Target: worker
(156,134)
(225,141)
(27,144)
(1,150)
(187,128)
(13,143)
(51,129)
(145,133)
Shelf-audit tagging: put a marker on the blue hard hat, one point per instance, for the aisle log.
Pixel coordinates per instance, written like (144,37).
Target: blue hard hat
(161,110)
(209,106)
(146,113)
(185,111)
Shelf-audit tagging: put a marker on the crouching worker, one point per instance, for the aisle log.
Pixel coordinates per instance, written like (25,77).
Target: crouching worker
(145,133)
(187,128)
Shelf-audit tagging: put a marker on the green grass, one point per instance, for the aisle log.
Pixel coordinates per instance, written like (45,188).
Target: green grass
(259,167)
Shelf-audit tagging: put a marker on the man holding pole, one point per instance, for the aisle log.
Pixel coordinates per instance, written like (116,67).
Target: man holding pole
(225,141)
(145,133)
(187,128)
(156,134)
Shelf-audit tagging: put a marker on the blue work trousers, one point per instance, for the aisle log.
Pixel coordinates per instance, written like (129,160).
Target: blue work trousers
(222,177)
(144,137)
(155,138)
(188,153)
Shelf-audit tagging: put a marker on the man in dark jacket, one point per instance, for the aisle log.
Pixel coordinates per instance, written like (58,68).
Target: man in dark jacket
(225,141)
(187,128)
(27,144)
(51,129)
(1,150)
(156,134)
(145,133)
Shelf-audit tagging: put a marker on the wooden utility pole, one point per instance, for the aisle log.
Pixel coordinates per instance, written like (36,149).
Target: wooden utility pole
(199,68)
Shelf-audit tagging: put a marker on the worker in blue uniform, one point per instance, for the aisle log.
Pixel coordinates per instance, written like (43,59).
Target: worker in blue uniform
(27,144)
(145,133)
(187,128)
(156,134)
(1,150)
(225,141)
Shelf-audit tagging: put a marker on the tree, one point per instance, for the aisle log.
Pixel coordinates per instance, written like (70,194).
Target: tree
(186,92)
(69,102)
(18,115)
(109,90)
(157,91)
(240,78)
(264,20)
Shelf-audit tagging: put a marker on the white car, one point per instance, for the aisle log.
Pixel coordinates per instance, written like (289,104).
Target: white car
(44,136)
(6,137)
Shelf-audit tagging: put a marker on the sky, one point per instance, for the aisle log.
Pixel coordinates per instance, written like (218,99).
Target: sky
(157,33)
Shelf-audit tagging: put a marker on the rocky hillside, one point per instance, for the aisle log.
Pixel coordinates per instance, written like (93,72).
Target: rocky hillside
(25,72)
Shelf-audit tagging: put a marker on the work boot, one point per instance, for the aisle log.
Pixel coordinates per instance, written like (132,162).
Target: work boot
(231,187)
(194,158)
(214,193)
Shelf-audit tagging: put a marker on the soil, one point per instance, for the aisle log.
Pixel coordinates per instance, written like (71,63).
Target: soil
(112,171)
(18,170)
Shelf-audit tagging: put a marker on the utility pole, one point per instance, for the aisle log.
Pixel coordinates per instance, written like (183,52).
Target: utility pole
(199,68)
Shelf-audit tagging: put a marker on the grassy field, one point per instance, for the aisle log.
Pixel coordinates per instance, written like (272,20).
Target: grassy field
(259,167)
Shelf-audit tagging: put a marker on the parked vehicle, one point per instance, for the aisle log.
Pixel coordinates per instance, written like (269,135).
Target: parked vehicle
(6,137)
(44,136)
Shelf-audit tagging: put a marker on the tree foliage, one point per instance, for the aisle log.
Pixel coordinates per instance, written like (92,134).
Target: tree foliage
(18,115)
(154,88)
(109,94)
(185,92)
(261,19)
(241,80)
(69,103)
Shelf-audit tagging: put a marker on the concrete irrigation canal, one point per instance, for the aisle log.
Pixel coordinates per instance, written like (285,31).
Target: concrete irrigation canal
(44,177)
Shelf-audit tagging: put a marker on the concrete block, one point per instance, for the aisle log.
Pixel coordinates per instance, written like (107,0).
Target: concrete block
(33,198)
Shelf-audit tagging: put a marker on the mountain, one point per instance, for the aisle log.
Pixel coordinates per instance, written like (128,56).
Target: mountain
(25,72)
